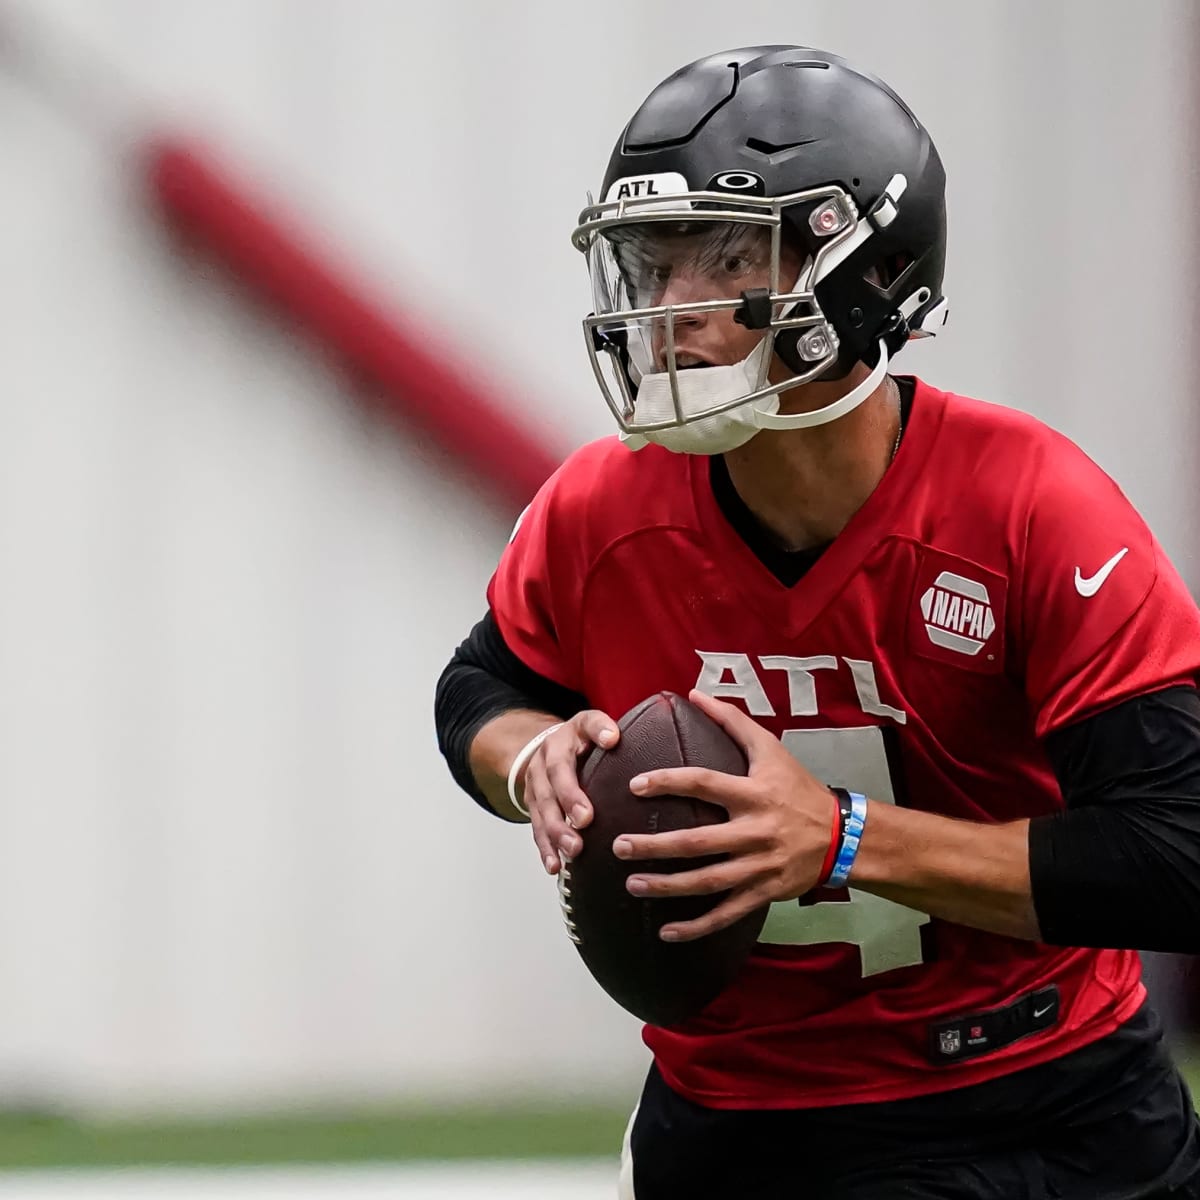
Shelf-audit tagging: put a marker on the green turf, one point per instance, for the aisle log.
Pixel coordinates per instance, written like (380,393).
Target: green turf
(40,1141)
(394,1135)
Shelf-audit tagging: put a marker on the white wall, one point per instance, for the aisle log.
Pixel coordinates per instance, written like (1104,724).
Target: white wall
(232,868)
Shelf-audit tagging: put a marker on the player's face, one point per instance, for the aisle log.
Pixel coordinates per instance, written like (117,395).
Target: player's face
(666,266)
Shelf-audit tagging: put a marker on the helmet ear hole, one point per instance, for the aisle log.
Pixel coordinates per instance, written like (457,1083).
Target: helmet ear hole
(888,273)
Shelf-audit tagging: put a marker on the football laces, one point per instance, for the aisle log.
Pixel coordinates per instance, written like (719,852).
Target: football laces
(564,899)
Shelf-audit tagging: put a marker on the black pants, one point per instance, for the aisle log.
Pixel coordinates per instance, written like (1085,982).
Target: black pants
(1113,1121)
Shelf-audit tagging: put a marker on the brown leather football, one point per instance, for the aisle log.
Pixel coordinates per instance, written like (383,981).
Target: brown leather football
(616,933)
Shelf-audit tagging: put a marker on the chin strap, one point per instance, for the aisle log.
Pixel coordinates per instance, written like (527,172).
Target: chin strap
(839,408)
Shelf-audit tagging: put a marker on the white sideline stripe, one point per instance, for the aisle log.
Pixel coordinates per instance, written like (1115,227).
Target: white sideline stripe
(584,1180)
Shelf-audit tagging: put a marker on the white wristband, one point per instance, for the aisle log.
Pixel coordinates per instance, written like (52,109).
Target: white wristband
(523,756)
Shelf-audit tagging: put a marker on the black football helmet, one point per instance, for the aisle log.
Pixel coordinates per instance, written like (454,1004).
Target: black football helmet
(796,142)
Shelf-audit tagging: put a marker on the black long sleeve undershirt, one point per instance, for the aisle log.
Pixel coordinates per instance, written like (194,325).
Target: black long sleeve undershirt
(1118,867)
(484,679)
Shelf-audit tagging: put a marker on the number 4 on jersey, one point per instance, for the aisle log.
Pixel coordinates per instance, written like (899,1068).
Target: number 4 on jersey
(887,934)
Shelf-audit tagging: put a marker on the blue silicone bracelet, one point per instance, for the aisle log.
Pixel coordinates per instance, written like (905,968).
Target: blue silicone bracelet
(848,852)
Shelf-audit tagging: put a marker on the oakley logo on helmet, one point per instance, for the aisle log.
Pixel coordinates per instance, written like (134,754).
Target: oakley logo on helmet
(642,187)
(958,613)
(738,181)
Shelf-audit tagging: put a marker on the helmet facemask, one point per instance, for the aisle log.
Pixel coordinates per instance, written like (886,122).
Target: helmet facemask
(665,270)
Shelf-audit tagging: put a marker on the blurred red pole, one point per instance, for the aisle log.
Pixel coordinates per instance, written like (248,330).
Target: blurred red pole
(203,198)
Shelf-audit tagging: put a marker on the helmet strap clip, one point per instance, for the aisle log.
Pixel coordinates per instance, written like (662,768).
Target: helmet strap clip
(755,309)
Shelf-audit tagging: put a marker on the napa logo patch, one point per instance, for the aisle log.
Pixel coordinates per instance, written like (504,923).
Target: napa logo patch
(957,614)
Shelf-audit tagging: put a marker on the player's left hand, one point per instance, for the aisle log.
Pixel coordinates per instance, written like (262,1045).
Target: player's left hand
(776,839)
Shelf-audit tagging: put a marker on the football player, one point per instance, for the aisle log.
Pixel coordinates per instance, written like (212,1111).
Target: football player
(961,668)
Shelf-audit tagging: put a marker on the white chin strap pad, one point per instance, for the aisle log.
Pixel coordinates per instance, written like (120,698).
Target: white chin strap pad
(831,412)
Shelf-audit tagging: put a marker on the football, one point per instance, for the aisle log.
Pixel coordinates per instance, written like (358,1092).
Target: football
(615,933)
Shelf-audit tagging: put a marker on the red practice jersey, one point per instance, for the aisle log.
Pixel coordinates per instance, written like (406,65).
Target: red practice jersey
(996,586)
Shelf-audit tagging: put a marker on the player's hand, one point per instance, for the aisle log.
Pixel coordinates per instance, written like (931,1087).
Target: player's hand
(776,838)
(556,803)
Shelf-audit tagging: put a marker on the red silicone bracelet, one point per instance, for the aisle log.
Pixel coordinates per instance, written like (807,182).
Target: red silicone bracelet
(835,841)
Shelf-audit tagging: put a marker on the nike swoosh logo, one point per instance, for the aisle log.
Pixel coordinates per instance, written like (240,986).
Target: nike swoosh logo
(1093,583)
(1041,1012)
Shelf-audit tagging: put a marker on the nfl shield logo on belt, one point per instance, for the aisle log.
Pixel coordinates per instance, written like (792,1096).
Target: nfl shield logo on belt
(950,1041)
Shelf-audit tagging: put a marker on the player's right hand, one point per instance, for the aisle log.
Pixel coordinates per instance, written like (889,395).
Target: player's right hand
(557,806)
